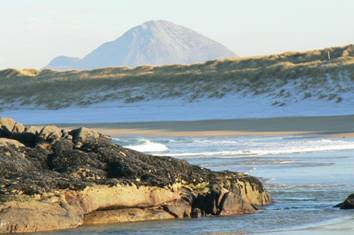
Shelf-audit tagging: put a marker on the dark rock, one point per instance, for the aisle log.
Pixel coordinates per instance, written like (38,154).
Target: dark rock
(196,213)
(98,161)
(348,203)
(13,130)
(27,138)
(54,160)
(207,203)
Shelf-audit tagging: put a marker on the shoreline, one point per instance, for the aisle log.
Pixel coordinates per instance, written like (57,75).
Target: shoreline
(332,126)
(338,226)
(81,177)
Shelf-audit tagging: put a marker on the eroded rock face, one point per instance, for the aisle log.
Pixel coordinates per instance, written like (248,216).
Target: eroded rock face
(70,178)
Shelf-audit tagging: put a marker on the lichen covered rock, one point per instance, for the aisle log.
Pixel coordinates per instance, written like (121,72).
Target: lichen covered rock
(69,178)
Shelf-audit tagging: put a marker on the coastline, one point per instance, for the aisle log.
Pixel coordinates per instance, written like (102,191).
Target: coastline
(80,177)
(331,126)
(341,126)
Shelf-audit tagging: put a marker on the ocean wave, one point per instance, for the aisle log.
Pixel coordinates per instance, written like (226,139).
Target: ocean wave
(148,146)
(233,147)
(270,150)
(211,154)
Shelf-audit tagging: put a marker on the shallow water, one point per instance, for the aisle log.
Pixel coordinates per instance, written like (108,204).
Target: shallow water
(306,177)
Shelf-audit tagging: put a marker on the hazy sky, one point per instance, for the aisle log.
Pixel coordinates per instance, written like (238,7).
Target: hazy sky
(32,32)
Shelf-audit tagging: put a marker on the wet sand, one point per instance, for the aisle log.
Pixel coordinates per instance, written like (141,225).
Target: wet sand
(337,227)
(336,126)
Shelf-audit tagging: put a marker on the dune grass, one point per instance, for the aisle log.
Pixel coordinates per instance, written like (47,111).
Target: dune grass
(213,79)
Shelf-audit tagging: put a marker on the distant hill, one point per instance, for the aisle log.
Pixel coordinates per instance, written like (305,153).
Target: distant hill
(153,43)
(312,83)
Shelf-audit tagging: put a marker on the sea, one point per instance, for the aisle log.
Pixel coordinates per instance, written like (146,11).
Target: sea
(305,175)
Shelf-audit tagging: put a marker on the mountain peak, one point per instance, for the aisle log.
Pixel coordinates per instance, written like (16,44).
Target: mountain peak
(157,23)
(155,42)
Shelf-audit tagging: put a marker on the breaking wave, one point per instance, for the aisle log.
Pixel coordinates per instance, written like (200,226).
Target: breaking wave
(145,145)
(235,147)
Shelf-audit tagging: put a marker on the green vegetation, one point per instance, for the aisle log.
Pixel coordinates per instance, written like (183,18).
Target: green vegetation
(213,79)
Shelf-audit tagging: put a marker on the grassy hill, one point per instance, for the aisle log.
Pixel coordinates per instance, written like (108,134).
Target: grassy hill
(326,74)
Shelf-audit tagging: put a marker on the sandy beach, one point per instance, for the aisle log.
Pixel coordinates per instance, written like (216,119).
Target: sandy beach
(337,126)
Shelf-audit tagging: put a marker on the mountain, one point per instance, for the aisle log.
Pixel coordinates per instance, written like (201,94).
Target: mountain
(63,62)
(153,43)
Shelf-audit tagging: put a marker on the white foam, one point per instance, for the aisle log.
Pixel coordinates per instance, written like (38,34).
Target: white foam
(148,146)
(243,147)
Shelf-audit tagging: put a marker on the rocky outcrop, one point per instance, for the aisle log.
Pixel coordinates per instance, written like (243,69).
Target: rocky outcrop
(57,179)
(348,203)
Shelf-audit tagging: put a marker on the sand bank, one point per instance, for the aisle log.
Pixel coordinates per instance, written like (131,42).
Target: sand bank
(337,126)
